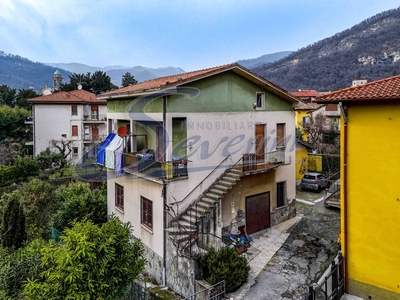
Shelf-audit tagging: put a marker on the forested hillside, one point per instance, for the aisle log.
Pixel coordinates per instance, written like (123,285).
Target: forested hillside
(21,73)
(370,49)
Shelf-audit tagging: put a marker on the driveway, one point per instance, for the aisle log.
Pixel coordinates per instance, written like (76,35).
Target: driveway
(302,258)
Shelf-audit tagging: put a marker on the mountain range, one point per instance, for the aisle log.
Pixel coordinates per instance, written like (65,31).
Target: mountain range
(369,49)
(115,72)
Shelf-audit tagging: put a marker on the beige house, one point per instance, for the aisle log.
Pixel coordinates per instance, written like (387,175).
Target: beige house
(204,152)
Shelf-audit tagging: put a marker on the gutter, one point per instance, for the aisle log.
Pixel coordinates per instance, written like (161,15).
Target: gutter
(164,111)
(344,113)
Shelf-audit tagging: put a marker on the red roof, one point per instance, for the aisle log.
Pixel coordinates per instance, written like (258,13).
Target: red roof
(331,107)
(75,96)
(307,106)
(383,89)
(179,79)
(305,93)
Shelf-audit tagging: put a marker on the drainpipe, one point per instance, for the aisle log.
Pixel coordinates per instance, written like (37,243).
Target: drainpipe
(164,274)
(164,109)
(344,113)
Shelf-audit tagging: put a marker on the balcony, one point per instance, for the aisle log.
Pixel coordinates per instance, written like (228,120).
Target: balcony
(146,165)
(94,118)
(94,138)
(270,161)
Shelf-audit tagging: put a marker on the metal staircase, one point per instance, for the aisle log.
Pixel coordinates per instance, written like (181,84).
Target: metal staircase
(184,228)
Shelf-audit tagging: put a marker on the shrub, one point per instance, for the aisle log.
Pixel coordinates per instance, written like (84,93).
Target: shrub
(225,264)
(89,262)
(16,267)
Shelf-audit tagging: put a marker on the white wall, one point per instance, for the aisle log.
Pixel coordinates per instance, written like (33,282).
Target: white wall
(134,188)
(52,121)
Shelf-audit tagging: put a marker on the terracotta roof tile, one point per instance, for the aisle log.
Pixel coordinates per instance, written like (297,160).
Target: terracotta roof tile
(307,106)
(176,80)
(331,107)
(305,93)
(383,89)
(166,81)
(75,96)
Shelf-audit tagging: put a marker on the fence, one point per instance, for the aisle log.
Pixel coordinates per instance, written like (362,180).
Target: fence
(214,292)
(332,286)
(139,291)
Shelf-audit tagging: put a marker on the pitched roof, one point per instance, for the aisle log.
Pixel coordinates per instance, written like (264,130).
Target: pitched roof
(75,96)
(307,106)
(331,107)
(383,89)
(172,81)
(305,93)
(305,144)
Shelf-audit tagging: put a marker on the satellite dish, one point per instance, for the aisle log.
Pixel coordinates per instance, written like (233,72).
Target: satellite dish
(122,131)
(80,87)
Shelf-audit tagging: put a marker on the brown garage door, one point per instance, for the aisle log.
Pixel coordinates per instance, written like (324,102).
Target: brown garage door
(257,212)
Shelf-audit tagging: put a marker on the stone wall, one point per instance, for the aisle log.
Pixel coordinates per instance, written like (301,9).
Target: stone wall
(154,265)
(180,271)
(284,213)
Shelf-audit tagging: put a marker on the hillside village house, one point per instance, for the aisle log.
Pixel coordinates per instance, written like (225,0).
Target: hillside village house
(204,152)
(370,193)
(76,116)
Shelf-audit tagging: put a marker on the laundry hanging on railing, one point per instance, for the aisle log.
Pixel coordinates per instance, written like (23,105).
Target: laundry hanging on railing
(110,151)
(102,147)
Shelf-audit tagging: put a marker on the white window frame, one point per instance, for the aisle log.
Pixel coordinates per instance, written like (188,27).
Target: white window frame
(260,103)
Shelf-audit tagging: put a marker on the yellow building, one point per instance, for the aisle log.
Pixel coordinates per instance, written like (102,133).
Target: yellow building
(302,149)
(370,190)
(304,110)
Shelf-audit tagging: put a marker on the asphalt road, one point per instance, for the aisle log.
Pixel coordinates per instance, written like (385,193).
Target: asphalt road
(303,258)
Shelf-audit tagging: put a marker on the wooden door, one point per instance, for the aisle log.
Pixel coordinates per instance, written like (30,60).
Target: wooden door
(257,212)
(95,133)
(259,140)
(160,143)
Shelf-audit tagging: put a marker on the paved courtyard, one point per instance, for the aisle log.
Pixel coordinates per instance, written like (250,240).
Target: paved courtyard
(290,256)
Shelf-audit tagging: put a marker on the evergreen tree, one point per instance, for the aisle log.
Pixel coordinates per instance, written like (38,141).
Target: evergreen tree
(128,79)
(13,222)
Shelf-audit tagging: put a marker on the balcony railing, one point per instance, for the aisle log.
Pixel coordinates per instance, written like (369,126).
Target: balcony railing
(92,138)
(251,162)
(146,165)
(94,117)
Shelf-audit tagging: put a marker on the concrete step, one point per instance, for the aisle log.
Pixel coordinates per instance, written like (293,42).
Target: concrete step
(236,172)
(221,187)
(232,175)
(217,191)
(190,220)
(226,183)
(213,196)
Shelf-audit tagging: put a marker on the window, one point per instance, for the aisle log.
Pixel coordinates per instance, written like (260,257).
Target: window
(147,212)
(260,100)
(280,135)
(306,121)
(280,194)
(119,196)
(75,151)
(95,112)
(74,130)
(74,110)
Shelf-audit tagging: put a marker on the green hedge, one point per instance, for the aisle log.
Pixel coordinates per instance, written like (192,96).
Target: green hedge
(21,170)
(330,162)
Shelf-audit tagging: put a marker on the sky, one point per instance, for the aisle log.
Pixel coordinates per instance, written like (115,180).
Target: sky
(190,34)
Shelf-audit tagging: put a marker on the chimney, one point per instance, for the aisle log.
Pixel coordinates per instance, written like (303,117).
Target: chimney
(358,81)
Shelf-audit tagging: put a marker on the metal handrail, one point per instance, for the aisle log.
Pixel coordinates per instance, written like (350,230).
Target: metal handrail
(176,202)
